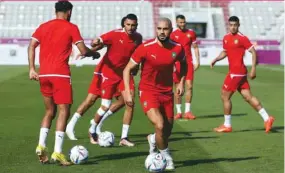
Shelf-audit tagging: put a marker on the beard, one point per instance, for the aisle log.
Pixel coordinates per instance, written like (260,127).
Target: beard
(163,41)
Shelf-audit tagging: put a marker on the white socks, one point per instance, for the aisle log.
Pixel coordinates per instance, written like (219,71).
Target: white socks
(73,121)
(178,108)
(187,107)
(125,131)
(152,138)
(263,114)
(106,115)
(93,126)
(59,136)
(43,136)
(227,122)
(166,154)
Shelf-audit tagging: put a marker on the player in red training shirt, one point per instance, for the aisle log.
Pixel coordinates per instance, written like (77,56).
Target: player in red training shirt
(235,44)
(55,38)
(156,96)
(120,45)
(94,93)
(187,38)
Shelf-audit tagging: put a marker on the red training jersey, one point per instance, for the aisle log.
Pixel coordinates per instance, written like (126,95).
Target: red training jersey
(157,65)
(185,38)
(235,46)
(120,47)
(55,38)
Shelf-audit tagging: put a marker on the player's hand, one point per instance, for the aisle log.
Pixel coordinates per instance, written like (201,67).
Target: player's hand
(128,98)
(180,89)
(252,74)
(96,55)
(33,75)
(95,42)
(213,63)
(196,66)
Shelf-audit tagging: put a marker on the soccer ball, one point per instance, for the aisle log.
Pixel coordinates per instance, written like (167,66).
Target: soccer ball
(78,154)
(106,139)
(155,162)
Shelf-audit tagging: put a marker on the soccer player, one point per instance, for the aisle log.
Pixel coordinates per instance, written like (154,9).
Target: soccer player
(187,38)
(94,93)
(55,38)
(120,45)
(156,96)
(176,81)
(235,44)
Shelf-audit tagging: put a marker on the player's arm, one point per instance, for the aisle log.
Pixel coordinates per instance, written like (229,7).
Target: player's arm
(252,74)
(197,55)
(86,52)
(97,44)
(183,72)
(221,56)
(126,76)
(31,57)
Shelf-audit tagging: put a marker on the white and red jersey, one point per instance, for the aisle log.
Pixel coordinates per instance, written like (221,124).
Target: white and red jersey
(157,65)
(235,46)
(120,47)
(55,38)
(186,38)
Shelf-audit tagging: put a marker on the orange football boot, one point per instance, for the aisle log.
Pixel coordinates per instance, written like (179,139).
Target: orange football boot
(178,116)
(189,116)
(223,128)
(268,124)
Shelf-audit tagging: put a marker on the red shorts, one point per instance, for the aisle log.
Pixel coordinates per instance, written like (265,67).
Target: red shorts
(108,88)
(176,72)
(235,82)
(57,87)
(190,71)
(164,102)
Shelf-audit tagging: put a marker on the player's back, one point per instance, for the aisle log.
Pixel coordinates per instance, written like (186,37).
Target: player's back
(56,38)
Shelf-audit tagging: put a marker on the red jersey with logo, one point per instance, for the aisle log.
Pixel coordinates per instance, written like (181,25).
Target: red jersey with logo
(185,38)
(56,38)
(157,65)
(235,46)
(120,47)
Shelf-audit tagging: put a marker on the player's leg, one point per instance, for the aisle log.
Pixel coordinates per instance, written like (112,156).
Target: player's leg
(255,103)
(93,95)
(227,91)
(63,98)
(50,113)
(106,95)
(113,109)
(127,120)
(189,92)
(178,105)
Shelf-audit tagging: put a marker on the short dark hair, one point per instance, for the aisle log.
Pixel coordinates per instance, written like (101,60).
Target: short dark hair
(131,17)
(122,22)
(180,16)
(63,6)
(234,19)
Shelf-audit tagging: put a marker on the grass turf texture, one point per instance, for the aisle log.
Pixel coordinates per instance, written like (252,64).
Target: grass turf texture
(194,145)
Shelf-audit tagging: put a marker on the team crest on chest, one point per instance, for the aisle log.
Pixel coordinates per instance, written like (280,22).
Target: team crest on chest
(173,54)
(188,35)
(103,92)
(236,41)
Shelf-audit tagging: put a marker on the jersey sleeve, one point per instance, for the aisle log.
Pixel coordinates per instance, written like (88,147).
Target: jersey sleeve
(107,38)
(76,36)
(139,54)
(37,35)
(193,37)
(247,44)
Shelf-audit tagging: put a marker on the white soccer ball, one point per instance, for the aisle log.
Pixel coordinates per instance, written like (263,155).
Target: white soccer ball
(155,162)
(106,139)
(78,154)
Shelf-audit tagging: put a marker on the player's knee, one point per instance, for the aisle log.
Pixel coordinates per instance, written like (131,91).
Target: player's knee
(91,100)
(106,103)
(247,98)
(51,112)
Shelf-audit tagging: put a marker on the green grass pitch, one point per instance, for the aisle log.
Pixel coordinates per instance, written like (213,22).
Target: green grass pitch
(194,145)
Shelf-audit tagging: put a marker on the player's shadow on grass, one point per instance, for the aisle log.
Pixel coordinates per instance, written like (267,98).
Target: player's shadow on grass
(275,129)
(202,161)
(117,156)
(221,115)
